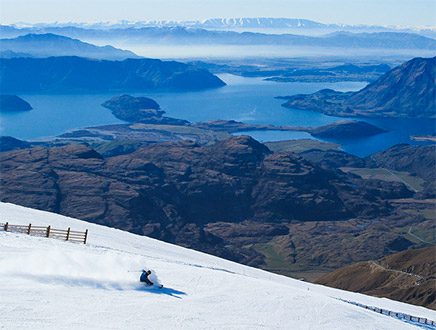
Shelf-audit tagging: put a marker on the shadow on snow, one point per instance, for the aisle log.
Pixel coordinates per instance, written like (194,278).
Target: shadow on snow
(164,291)
(100,284)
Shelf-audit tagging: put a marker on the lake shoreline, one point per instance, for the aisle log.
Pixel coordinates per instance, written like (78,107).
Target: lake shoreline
(248,100)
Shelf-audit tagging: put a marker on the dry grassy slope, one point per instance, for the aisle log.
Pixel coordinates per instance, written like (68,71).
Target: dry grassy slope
(407,276)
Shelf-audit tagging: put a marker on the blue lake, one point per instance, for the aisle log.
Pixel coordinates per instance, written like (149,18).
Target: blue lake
(250,100)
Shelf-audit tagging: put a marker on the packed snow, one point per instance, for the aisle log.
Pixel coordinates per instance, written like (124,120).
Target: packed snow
(53,284)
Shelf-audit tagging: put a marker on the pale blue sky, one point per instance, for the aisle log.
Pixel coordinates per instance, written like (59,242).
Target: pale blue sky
(381,12)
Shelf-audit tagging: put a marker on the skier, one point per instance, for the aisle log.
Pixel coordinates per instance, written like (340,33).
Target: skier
(144,277)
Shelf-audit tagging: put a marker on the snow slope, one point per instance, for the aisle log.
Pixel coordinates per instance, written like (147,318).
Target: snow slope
(51,284)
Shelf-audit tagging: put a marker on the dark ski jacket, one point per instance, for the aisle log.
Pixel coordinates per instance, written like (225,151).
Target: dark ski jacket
(144,278)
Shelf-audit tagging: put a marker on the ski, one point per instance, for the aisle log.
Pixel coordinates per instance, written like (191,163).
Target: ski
(158,286)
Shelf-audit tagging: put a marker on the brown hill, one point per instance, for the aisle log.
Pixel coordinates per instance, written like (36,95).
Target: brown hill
(420,161)
(172,190)
(417,160)
(408,276)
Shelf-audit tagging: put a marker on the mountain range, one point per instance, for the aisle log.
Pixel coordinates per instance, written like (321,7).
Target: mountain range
(286,210)
(77,74)
(45,45)
(173,191)
(193,35)
(407,90)
(296,25)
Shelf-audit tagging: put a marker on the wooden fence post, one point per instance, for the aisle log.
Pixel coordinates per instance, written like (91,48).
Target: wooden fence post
(6,226)
(48,231)
(86,236)
(68,233)
(28,229)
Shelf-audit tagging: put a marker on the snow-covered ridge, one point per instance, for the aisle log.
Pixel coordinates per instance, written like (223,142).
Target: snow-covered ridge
(233,23)
(261,22)
(59,285)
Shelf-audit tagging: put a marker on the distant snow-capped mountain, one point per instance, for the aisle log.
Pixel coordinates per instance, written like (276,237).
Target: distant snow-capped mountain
(267,25)
(232,23)
(261,22)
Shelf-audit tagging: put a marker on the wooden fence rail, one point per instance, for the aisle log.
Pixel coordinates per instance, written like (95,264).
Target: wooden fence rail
(41,231)
(401,316)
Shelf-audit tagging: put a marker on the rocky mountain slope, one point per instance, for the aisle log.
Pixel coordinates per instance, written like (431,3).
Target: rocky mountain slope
(406,91)
(406,276)
(172,190)
(78,75)
(45,45)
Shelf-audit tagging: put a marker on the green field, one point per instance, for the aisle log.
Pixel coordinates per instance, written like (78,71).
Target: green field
(300,145)
(412,182)
(277,261)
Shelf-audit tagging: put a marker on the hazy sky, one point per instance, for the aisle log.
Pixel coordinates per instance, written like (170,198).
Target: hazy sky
(383,12)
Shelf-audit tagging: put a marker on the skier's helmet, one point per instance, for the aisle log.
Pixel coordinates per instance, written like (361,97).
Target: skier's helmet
(148,272)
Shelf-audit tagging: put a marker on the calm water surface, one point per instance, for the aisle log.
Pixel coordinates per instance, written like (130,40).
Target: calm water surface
(250,100)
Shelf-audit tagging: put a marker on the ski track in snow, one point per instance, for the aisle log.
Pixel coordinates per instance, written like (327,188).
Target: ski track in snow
(51,284)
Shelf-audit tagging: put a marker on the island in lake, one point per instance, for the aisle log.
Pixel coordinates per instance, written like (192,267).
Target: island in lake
(140,110)
(147,124)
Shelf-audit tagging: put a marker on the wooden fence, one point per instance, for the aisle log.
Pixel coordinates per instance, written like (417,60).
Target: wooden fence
(401,316)
(66,235)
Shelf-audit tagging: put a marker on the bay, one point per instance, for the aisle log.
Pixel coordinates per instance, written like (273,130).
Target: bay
(250,100)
